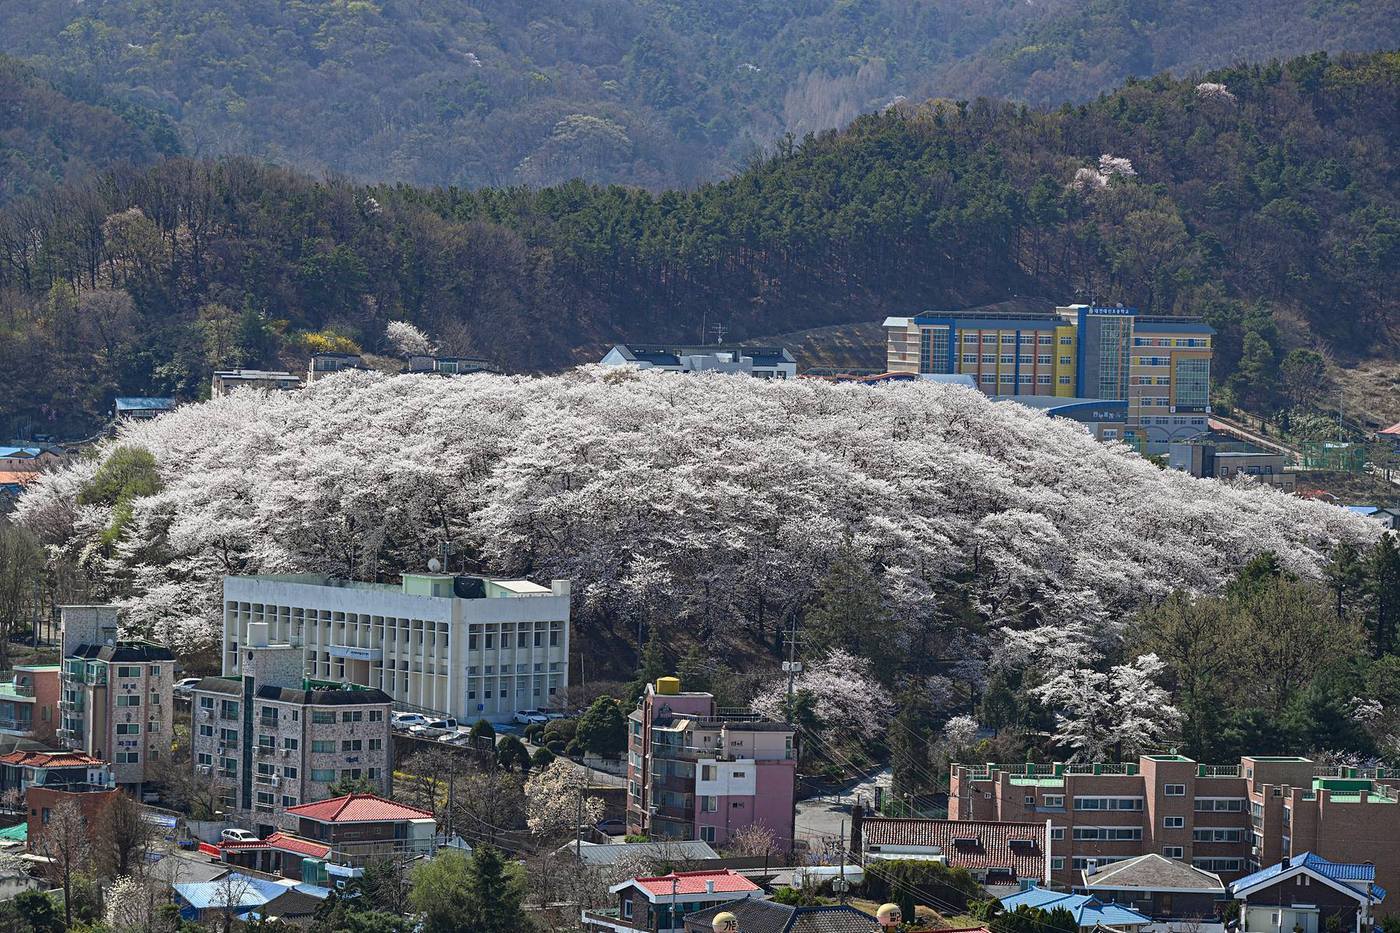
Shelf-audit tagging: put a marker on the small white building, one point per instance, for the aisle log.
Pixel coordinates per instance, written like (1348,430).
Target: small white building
(225,381)
(763,362)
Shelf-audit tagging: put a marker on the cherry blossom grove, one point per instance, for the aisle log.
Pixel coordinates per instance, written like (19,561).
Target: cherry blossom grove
(710,502)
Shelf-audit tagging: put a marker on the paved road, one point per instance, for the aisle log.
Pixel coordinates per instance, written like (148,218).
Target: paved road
(820,819)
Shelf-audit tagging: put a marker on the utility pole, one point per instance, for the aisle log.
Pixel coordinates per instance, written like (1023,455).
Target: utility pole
(792,666)
(451,798)
(840,886)
(720,329)
(578,825)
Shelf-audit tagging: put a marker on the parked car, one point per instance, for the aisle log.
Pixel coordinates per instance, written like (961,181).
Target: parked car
(612,827)
(455,738)
(185,686)
(527,716)
(553,714)
(434,727)
(237,835)
(407,720)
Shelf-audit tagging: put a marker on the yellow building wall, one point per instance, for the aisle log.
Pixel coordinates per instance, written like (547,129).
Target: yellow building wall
(1065,391)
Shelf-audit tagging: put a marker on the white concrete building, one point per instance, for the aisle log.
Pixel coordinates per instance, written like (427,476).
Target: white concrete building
(762,362)
(464,646)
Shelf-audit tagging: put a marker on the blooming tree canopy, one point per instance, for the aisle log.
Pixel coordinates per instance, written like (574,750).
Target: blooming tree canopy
(1124,709)
(555,803)
(846,698)
(409,340)
(722,499)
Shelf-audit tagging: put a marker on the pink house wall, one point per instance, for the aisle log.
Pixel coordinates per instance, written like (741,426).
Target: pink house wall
(772,806)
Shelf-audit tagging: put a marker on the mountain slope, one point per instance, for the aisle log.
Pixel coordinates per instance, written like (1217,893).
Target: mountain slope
(729,496)
(650,92)
(48,136)
(1265,199)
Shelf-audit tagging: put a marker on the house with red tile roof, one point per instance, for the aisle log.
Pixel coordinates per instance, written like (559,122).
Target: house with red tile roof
(661,903)
(992,852)
(360,828)
(20,770)
(280,853)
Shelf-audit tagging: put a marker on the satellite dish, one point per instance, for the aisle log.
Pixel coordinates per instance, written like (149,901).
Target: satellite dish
(435,565)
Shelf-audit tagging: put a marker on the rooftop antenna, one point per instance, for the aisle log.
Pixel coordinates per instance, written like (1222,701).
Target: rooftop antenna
(719,329)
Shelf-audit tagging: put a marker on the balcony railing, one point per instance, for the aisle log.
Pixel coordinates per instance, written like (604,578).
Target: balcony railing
(361,854)
(1217,771)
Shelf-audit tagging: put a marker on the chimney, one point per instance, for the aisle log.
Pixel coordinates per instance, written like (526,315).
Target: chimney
(857,818)
(709,886)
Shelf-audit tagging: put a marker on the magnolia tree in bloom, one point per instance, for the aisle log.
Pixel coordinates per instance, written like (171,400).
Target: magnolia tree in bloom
(710,503)
(409,340)
(555,802)
(1125,710)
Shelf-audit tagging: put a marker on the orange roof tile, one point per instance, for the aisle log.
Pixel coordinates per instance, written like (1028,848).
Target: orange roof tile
(358,808)
(37,759)
(696,882)
(289,843)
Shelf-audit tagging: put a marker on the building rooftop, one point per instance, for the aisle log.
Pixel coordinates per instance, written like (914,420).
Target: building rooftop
(357,696)
(256,374)
(124,651)
(1015,847)
(144,403)
(670,354)
(424,585)
(358,808)
(725,881)
(1153,872)
(1349,874)
(47,759)
(20,453)
(249,891)
(757,915)
(283,842)
(674,850)
(311,692)
(1088,911)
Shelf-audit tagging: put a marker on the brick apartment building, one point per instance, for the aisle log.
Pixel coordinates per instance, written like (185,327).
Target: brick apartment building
(117,696)
(695,773)
(271,739)
(1229,819)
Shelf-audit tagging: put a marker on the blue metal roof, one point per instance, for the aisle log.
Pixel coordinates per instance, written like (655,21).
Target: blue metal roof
(20,451)
(1363,509)
(1087,910)
(1342,872)
(143,403)
(252,892)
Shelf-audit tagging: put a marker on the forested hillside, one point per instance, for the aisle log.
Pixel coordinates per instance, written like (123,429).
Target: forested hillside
(48,135)
(1264,198)
(649,92)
